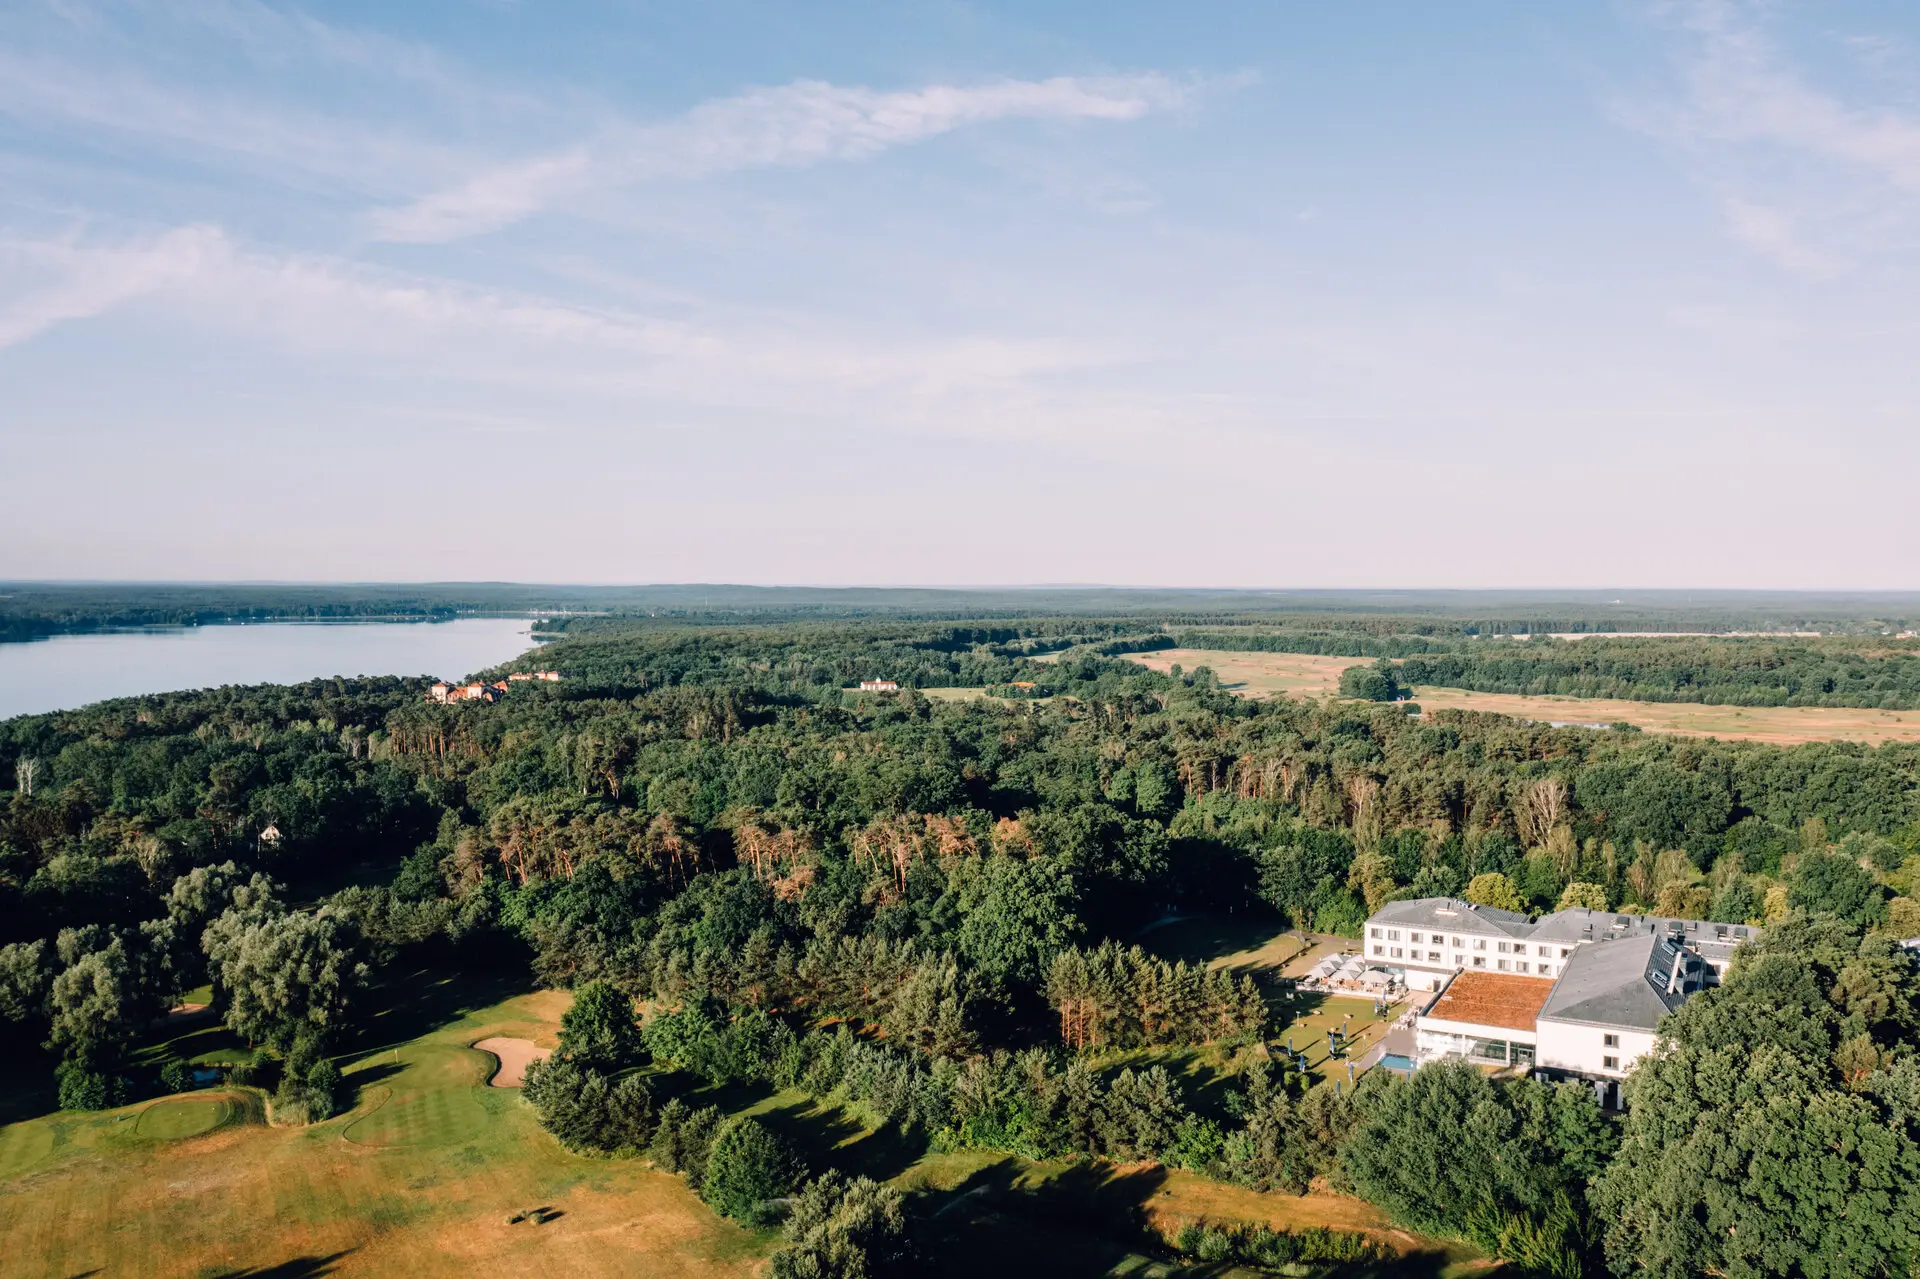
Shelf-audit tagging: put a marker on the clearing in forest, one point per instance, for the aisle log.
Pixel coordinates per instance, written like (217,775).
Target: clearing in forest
(1295,674)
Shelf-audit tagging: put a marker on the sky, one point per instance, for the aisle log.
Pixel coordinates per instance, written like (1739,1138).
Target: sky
(1265,294)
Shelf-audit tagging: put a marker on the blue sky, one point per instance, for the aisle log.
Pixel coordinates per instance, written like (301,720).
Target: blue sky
(1264,294)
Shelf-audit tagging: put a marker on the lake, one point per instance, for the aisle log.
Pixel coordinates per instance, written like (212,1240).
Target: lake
(74,670)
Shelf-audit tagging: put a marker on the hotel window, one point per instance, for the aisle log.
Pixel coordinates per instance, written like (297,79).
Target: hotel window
(1433,957)
(1397,953)
(1506,947)
(1414,938)
(1506,965)
(1610,1063)
(1546,951)
(1376,933)
(1546,970)
(1393,934)
(1610,1041)
(1521,966)
(1565,951)
(1379,949)
(1479,961)
(1458,944)
(1479,943)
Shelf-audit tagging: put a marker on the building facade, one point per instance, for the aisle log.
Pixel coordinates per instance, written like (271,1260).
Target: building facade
(1576,993)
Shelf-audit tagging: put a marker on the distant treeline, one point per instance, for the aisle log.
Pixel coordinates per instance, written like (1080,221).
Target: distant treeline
(32,610)
(1718,671)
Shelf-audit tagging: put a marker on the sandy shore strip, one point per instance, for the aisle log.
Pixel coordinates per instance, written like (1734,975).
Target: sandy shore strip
(515,1056)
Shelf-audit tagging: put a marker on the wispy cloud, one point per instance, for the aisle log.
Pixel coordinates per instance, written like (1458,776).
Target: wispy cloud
(804,123)
(50,282)
(1786,157)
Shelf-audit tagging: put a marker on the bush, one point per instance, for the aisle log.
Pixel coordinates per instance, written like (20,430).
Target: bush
(1272,1249)
(747,1167)
(599,1031)
(842,1228)
(176,1076)
(587,1110)
(83,1089)
(682,1137)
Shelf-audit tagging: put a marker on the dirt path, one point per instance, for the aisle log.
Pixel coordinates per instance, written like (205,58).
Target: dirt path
(515,1056)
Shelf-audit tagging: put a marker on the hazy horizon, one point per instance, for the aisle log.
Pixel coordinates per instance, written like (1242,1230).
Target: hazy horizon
(1413,298)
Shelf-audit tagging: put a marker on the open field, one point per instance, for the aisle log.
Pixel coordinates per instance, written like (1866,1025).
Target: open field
(420,1176)
(1293,674)
(1258,674)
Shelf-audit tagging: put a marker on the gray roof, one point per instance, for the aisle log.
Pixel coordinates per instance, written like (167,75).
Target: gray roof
(1715,942)
(1450,913)
(1628,982)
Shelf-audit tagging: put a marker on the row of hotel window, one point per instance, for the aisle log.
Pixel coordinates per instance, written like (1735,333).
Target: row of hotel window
(1479,961)
(1479,943)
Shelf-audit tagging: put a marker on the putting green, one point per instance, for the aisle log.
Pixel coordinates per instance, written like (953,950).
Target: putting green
(184,1117)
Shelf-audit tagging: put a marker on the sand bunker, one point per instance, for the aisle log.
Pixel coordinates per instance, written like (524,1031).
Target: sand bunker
(515,1056)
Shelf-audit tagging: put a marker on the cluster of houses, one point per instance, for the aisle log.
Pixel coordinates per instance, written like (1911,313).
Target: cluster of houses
(1577,994)
(879,686)
(486,692)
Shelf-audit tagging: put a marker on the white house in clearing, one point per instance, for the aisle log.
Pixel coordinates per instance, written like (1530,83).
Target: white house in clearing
(1574,993)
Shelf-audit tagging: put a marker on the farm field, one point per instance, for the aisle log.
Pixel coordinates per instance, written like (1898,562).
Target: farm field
(420,1176)
(1294,674)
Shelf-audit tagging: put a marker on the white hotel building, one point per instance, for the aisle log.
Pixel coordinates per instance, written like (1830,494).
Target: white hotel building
(1574,993)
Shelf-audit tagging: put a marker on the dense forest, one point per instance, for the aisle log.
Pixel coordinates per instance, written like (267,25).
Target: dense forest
(929,909)
(1349,623)
(1723,671)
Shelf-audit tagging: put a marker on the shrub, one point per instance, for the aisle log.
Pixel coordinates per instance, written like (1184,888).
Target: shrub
(842,1228)
(587,1110)
(747,1166)
(83,1089)
(600,1031)
(681,1139)
(176,1076)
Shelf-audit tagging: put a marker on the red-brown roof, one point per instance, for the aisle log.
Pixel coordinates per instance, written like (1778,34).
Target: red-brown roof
(1506,1000)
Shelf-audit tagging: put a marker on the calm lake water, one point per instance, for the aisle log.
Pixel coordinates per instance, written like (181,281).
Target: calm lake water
(74,670)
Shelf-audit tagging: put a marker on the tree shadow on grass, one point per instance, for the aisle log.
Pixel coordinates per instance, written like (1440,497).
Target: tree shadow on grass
(408,1004)
(297,1268)
(1087,1219)
(828,1137)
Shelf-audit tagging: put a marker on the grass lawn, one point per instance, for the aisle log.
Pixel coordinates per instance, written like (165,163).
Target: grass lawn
(419,1178)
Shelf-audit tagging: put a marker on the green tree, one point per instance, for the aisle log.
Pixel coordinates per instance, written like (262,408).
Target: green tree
(1766,1136)
(1830,882)
(282,975)
(1375,683)
(1016,914)
(600,1031)
(747,1166)
(843,1228)
(1495,889)
(1582,896)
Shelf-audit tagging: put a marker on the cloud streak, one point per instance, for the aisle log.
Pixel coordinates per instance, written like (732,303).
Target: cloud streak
(1785,158)
(790,126)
